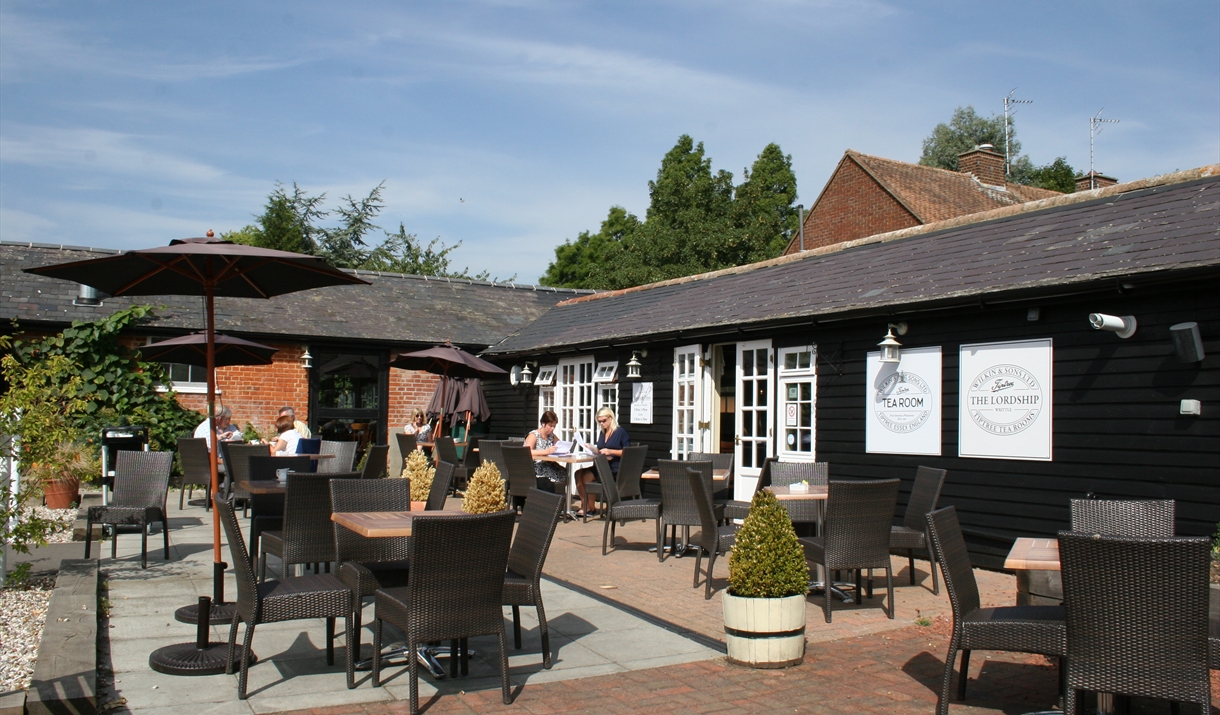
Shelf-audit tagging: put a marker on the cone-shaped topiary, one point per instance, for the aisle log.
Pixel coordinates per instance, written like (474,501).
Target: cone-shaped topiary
(767,560)
(485,491)
(420,473)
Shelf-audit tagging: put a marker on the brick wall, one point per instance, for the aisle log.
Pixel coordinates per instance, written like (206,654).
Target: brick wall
(852,206)
(409,389)
(256,393)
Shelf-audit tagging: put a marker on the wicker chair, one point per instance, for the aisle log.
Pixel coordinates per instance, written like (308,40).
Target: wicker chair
(367,564)
(492,450)
(621,512)
(784,474)
(141,487)
(406,445)
(523,581)
(677,500)
(444,449)
(319,596)
(267,510)
(856,534)
(719,461)
(237,467)
(440,602)
(1149,519)
(630,468)
(308,534)
(520,473)
(196,469)
(713,539)
(470,462)
(345,456)
(1021,629)
(1126,638)
(375,462)
(740,509)
(440,487)
(913,534)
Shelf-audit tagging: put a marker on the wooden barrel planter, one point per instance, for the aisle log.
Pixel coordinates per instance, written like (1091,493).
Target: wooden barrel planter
(61,493)
(764,632)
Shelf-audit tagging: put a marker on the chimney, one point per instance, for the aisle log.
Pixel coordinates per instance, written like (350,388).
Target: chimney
(1094,180)
(983,163)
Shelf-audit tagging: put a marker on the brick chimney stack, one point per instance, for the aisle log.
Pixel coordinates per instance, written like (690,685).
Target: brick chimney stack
(1099,180)
(983,163)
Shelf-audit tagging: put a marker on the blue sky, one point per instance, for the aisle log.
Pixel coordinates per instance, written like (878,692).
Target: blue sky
(513,125)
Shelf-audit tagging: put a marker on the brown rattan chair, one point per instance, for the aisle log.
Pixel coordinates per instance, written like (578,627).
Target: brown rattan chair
(318,596)
(406,445)
(1152,519)
(520,476)
(141,487)
(912,535)
(784,474)
(237,468)
(440,487)
(630,469)
(375,462)
(441,602)
(719,461)
(345,456)
(444,449)
(713,539)
(367,564)
(856,534)
(267,510)
(523,581)
(492,450)
(196,469)
(470,462)
(1021,629)
(678,501)
(740,509)
(1137,611)
(308,534)
(619,511)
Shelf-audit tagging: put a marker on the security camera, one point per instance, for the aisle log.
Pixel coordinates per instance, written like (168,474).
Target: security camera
(1123,326)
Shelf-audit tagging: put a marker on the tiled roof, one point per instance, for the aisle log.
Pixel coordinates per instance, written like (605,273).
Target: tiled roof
(937,194)
(1157,225)
(395,309)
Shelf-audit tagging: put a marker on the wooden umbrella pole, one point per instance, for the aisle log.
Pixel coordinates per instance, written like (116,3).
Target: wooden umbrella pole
(214,451)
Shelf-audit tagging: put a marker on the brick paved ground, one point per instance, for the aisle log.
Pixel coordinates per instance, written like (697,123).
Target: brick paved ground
(861,663)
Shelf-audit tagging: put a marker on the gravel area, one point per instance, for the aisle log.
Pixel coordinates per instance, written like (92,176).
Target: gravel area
(64,520)
(23,609)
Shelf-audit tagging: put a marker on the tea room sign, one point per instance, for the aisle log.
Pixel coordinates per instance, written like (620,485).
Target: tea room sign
(904,403)
(1005,405)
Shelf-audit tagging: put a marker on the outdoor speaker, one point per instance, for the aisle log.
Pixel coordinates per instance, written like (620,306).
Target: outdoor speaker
(1187,342)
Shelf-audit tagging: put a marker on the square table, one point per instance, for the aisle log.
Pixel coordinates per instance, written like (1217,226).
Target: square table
(384,524)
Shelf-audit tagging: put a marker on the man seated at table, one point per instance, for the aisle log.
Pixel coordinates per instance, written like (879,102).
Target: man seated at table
(301,428)
(225,428)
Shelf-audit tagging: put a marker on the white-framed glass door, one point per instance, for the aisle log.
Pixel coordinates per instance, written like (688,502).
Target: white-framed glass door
(575,401)
(796,371)
(752,442)
(690,423)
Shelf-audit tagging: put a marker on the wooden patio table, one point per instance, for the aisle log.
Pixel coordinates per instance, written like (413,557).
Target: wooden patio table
(384,524)
(718,475)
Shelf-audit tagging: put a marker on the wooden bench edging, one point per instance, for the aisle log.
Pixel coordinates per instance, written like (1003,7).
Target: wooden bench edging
(65,675)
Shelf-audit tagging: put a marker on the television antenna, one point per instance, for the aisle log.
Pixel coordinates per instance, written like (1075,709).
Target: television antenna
(1095,126)
(1009,110)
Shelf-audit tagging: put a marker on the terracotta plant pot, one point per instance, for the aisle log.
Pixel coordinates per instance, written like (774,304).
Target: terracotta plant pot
(61,493)
(764,632)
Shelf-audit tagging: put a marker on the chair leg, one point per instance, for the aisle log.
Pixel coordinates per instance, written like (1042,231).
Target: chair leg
(607,531)
(546,636)
(454,656)
(262,566)
(961,675)
(114,541)
(330,640)
(232,645)
(182,497)
(942,700)
(660,541)
(349,635)
(828,588)
(88,535)
(932,567)
(698,563)
(165,536)
(911,564)
(889,588)
(516,626)
(247,641)
(377,652)
(711,565)
(413,669)
(465,651)
(144,546)
(505,691)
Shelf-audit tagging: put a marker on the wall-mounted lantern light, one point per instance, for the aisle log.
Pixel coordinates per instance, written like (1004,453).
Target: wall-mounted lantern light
(890,347)
(527,375)
(634,364)
(521,375)
(307,360)
(1187,342)
(1123,327)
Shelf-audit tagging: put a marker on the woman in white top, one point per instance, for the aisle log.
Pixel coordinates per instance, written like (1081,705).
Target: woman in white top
(288,438)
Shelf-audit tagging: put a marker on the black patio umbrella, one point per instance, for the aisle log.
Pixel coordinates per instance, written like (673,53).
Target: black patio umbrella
(444,399)
(192,349)
(472,402)
(207,267)
(448,361)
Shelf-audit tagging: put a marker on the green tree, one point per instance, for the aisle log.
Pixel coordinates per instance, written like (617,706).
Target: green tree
(578,263)
(1056,176)
(344,245)
(763,204)
(965,130)
(402,252)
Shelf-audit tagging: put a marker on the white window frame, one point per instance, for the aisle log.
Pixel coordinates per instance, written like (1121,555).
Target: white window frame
(796,376)
(606,372)
(607,396)
(688,397)
(574,398)
(546,376)
(546,401)
(746,477)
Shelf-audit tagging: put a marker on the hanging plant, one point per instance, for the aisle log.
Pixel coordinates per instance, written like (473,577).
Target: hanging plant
(420,473)
(485,492)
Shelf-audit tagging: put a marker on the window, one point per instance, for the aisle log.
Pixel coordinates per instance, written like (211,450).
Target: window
(687,393)
(575,398)
(546,400)
(606,372)
(797,393)
(546,376)
(607,396)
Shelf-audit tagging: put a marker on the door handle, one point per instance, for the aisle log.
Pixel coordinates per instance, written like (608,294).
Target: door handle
(705,425)
(736,439)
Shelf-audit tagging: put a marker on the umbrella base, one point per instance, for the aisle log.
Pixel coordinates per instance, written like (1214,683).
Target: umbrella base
(220,614)
(190,659)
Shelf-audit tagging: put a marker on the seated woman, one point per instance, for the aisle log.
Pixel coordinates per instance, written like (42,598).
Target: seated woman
(418,423)
(611,441)
(287,440)
(551,475)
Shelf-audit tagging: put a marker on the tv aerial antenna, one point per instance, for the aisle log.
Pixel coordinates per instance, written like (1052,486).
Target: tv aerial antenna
(1009,110)
(1096,124)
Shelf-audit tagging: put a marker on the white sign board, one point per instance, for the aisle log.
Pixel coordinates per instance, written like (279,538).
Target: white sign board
(1005,401)
(641,403)
(903,410)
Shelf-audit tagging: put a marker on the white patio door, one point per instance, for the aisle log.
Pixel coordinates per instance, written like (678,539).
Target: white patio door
(691,425)
(755,383)
(576,398)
